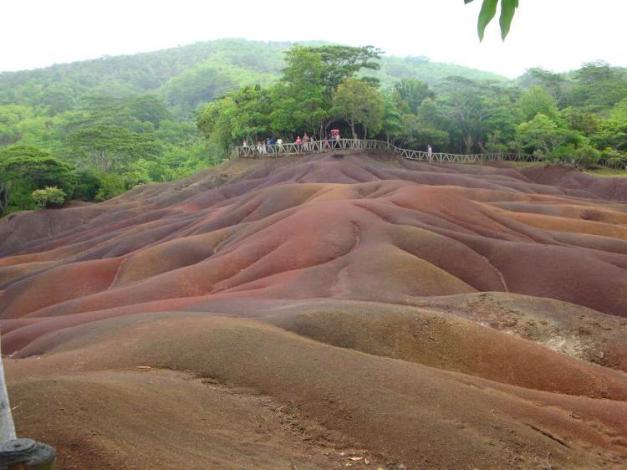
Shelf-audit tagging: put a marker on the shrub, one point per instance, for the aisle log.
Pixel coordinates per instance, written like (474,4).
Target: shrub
(88,183)
(51,196)
(111,185)
(613,158)
(587,156)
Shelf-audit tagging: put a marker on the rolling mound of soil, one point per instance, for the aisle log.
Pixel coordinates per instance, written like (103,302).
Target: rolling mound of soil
(324,312)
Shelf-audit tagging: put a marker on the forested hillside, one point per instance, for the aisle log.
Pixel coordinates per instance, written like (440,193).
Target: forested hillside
(97,128)
(189,75)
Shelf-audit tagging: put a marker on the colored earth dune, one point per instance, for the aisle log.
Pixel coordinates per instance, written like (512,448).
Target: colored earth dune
(325,312)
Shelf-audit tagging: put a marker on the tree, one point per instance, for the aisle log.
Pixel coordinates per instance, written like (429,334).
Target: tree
(418,134)
(240,115)
(537,100)
(109,147)
(148,108)
(24,169)
(410,93)
(612,131)
(358,102)
(300,102)
(342,62)
(556,84)
(474,112)
(599,86)
(488,11)
(87,185)
(581,120)
(11,116)
(392,124)
(199,84)
(542,135)
(299,99)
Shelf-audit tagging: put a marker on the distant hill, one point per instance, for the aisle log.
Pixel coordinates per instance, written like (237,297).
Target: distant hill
(186,76)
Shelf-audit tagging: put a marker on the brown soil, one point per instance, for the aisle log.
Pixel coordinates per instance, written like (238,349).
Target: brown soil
(322,313)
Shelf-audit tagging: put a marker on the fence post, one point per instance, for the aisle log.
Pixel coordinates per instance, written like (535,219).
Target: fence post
(19,454)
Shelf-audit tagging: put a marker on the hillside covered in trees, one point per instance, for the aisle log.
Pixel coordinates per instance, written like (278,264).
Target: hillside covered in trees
(94,129)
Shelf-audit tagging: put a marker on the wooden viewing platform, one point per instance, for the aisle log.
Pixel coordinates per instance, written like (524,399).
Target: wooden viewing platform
(324,146)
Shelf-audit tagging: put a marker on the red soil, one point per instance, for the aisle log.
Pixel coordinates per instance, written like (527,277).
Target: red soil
(372,273)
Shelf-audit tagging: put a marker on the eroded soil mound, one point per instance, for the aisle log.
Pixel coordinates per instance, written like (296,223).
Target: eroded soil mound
(326,311)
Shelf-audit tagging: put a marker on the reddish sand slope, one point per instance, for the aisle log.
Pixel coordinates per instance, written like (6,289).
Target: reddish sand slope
(355,310)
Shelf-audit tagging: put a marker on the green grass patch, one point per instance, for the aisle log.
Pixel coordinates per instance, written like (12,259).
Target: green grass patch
(612,172)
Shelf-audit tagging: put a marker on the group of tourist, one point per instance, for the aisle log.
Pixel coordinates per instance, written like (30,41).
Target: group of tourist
(304,143)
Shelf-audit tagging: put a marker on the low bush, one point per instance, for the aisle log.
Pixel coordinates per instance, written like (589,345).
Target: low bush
(51,196)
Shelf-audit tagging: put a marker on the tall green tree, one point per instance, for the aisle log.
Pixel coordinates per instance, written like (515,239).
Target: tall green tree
(241,115)
(359,103)
(410,93)
(537,100)
(109,147)
(543,136)
(300,103)
(342,62)
(599,86)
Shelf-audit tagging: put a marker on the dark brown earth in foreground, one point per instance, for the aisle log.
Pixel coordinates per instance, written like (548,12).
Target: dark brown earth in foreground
(325,312)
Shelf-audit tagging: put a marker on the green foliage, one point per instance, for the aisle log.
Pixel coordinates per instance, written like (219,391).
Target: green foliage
(598,86)
(24,169)
(300,100)
(392,118)
(50,196)
(410,93)
(558,85)
(240,115)
(537,100)
(544,136)
(303,100)
(359,103)
(612,131)
(88,183)
(200,84)
(488,11)
(111,185)
(342,62)
(110,147)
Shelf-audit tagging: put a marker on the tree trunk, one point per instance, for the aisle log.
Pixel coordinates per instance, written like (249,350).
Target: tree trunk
(468,143)
(352,124)
(4,198)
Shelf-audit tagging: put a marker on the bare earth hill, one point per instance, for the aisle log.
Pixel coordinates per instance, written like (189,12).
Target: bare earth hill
(325,312)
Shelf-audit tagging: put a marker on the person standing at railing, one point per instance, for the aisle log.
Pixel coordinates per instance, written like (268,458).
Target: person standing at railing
(279,144)
(299,144)
(270,145)
(429,152)
(335,138)
(261,147)
(306,142)
(327,141)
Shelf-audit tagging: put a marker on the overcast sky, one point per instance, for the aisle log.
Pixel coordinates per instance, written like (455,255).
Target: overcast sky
(554,34)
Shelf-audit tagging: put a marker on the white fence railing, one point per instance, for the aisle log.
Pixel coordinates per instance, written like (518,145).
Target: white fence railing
(322,146)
